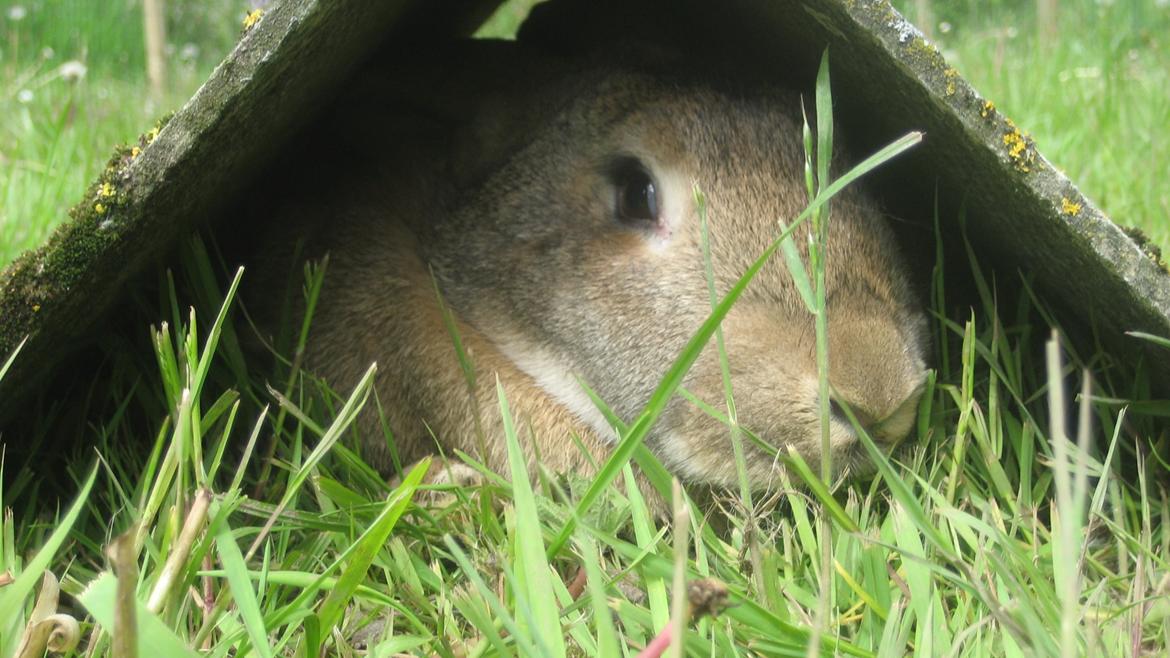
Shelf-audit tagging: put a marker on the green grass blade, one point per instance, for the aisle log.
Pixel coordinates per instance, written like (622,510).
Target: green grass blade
(820,491)
(212,341)
(887,153)
(490,597)
(533,567)
(745,490)
(824,123)
(900,491)
(1157,340)
(12,358)
(607,643)
(658,400)
(341,423)
(647,537)
(154,637)
(367,547)
(236,569)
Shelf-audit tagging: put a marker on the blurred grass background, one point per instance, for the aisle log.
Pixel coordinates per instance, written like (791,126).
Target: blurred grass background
(1090,81)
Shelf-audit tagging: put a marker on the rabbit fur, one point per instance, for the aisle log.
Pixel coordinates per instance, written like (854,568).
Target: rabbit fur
(510,188)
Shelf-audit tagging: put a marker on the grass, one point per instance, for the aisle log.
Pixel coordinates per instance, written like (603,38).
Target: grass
(1095,99)
(1003,529)
(961,546)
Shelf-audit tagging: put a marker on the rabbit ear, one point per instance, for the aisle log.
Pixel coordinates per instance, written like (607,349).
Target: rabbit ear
(500,92)
(479,99)
(499,95)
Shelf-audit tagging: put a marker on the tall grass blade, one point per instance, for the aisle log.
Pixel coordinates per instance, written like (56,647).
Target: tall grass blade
(155,638)
(236,569)
(12,358)
(745,490)
(532,567)
(368,545)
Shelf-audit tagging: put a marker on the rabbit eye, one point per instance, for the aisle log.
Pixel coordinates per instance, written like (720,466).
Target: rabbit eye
(637,197)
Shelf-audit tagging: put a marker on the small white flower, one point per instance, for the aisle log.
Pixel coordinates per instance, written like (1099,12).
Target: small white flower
(24,96)
(72,70)
(17,13)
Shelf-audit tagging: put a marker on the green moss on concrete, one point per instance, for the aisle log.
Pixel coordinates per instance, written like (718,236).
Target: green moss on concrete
(923,53)
(35,280)
(1151,250)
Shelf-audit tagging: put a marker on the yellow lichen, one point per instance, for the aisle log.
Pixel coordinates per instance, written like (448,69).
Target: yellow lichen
(925,51)
(99,208)
(152,134)
(1018,147)
(106,190)
(951,76)
(1070,208)
(252,18)
(36,308)
(987,109)
(134,152)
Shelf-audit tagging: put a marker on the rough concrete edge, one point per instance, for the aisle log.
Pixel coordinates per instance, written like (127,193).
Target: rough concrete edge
(1140,267)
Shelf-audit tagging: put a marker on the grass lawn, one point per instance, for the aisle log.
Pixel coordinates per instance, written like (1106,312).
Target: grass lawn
(1027,516)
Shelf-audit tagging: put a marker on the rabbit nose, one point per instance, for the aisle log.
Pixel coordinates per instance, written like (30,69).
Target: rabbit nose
(838,413)
(888,431)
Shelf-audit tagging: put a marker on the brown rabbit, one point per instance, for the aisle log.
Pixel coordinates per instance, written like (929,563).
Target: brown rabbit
(551,202)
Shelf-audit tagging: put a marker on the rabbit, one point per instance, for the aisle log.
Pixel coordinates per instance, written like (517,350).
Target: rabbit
(544,208)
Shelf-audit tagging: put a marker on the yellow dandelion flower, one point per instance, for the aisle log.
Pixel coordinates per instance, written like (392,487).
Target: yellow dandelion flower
(252,18)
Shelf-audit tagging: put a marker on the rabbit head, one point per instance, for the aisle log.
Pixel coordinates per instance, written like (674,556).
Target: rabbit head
(580,254)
